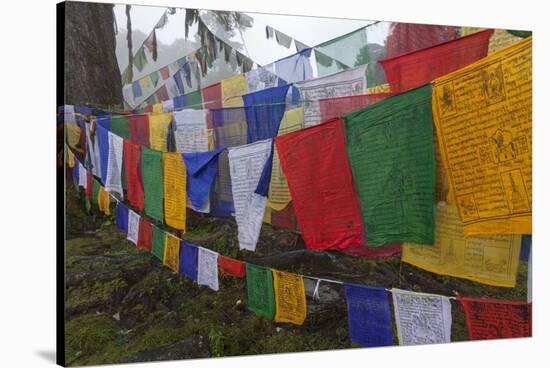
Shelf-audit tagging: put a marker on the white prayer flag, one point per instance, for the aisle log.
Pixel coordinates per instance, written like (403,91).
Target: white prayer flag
(422,318)
(191,131)
(207,273)
(168,105)
(114,166)
(133,226)
(246,164)
(82,175)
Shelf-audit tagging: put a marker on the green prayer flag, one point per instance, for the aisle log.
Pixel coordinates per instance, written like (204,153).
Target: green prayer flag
(151,174)
(259,284)
(140,60)
(194,100)
(391,153)
(151,100)
(120,126)
(158,236)
(95,191)
(522,34)
(154,78)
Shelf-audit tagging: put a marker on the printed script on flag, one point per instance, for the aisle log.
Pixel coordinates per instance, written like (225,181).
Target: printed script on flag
(482,115)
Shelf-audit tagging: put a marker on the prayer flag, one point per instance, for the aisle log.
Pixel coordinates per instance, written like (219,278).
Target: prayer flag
(153,187)
(232,90)
(159,240)
(212,96)
(188,260)
(290,297)
(120,126)
(104,201)
(113,182)
(191,133)
(201,170)
(171,252)
(264,110)
(132,158)
(158,130)
(316,167)
(121,216)
(368,315)
(231,267)
(207,270)
(496,319)
(408,37)
(391,153)
(338,107)
(145,236)
(102,136)
(482,115)
(175,197)
(421,318)
(259,285)
(419,67)
(491,260)
(133,227)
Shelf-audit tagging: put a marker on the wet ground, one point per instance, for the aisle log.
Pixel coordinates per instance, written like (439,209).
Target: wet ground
(123,305)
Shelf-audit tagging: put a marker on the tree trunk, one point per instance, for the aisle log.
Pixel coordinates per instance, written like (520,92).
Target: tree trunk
(91,74)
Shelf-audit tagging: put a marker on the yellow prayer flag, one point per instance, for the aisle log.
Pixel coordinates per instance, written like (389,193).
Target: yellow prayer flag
(381,88)
(233,88)
(267,215)
(73,134)
(104,201)
(491,260)
(290,297)
(158,107)
(171,252)
(211,143)
(70,158)
(158,130)
(279,196)
(146,83)
(175,195)
(499,40)
(482,115)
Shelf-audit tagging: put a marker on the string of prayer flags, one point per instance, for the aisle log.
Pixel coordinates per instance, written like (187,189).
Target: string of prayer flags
(496,319)
(207,273)
(121,216)
(139,129)
(102,137)
(279,196)
(104,201)
(212,96)
(132,158)
(259,286)
(145,236)
(153,187)
(482,115)
(264,111)
(201,170)
(231,267)
(158,130)
(232,90)
(337,107)
(191,133)
(158,237)
(246,164)
(315,164)
(175,194)
(290,298)
(188,260)
(391,153)
(133,226)
(171,252)
(422,318)
(344,83)
(369,315)
(491,260)
(419,67)
(113,182)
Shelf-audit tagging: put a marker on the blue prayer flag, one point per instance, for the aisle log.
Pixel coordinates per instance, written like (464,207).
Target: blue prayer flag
(264,111)
(526,241)
(368,315)
(102,135)
(263,184)
(136,89)
(179,102)
(122,217)
(188,260)
(201,169)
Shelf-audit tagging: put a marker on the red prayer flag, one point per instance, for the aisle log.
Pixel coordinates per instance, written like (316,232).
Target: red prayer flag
(423,66)
(496,319)
(315,163)
(231,267)
(139,129)
(162,94)
(409,37)
(145,235)
(165,73)
(132,156)
(337,107)
(148,109)
(212,96)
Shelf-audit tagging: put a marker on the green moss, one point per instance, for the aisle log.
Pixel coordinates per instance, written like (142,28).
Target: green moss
(88,334)
(97,294)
